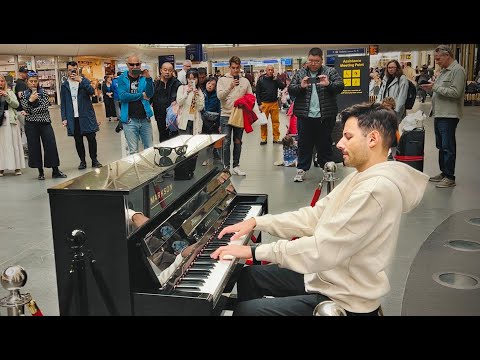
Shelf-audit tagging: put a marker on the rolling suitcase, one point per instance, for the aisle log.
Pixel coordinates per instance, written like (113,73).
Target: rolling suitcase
(410,149)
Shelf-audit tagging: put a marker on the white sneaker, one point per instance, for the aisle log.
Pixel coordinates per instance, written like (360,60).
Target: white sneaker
(236,170)
(300,175)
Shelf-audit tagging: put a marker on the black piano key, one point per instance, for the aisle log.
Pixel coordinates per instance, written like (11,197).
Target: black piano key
(198,271)
(187,288)
(202,266)
(205,261)
(220,243)
(195,277)
(242,208)
(208,251)
(192,282)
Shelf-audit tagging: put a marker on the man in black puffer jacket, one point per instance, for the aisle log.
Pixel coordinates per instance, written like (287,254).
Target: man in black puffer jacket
(316,110)
(165,93)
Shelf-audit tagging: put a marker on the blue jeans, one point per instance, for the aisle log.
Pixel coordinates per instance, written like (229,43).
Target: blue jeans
(237,142)
(446,144)
(135,129)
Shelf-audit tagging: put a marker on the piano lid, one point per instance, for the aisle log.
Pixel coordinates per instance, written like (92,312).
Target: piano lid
(134,170)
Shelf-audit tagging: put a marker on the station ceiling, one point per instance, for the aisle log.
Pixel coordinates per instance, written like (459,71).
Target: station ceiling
(214,51)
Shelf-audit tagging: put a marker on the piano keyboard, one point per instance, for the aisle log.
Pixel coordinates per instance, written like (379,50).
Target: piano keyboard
(206,275)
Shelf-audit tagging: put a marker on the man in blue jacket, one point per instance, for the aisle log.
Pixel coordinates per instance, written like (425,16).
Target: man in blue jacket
(135,91)
(78,114)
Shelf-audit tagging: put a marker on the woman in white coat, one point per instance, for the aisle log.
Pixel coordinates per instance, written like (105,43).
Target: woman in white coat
(11,149)
(395,85)
(191,102)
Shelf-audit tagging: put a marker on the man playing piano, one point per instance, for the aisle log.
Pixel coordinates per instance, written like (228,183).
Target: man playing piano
(346,240)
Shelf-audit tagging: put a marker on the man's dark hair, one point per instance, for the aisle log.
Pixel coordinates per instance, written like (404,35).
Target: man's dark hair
(202,70)
(316,52)
(373,117)
(72,63)
(235,60)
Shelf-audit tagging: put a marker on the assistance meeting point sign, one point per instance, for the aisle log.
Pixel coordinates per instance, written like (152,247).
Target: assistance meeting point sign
(355,72)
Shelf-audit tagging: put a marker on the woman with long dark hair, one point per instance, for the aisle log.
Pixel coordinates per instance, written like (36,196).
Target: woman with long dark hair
(108,99)
(191,102)
(394,85)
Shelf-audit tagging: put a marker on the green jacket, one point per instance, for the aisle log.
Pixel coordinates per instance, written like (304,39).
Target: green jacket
(448,92)
(12,102)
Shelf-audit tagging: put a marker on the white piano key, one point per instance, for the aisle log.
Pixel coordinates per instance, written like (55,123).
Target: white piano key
(223,267)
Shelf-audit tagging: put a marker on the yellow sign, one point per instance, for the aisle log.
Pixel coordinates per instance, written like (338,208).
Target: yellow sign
(347,82)
(347,73)
(356,82)
(356,73)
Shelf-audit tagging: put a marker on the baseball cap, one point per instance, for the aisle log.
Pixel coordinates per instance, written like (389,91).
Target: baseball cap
(23,69)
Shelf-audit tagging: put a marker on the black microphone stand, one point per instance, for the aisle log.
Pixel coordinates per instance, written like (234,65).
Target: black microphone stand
(76,290)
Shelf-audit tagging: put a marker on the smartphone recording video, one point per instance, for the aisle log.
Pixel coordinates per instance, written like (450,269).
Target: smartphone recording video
(312,80)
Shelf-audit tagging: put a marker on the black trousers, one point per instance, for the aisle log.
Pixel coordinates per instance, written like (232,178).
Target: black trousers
(92,142)
(37,132)
(287,287)
(314,132)
(109,103)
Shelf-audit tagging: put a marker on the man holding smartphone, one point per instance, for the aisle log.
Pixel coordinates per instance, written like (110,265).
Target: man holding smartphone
(230,88)
(315,89)
(267,96)
(135,91)
(78,114)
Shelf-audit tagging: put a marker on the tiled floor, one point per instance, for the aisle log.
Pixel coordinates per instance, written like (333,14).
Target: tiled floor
(25,226)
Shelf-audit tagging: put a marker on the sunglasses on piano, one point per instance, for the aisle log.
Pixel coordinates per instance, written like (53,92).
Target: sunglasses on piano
(163,161)
(166,151)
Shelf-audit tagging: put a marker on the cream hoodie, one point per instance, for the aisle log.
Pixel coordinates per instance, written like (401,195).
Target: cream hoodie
(349,237)
(228,97)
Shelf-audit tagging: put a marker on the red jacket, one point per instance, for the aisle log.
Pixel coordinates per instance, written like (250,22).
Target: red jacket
(247,102)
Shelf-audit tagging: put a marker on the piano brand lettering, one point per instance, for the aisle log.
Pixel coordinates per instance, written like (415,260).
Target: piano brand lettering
(161,195)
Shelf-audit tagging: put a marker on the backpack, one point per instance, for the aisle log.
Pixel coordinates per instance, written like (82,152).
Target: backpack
(411,95)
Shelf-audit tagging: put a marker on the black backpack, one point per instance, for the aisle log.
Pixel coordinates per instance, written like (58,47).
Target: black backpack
(411,96)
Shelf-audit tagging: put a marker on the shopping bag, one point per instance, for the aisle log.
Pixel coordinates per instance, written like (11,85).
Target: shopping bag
(171,118)
(262,119)
(236,118)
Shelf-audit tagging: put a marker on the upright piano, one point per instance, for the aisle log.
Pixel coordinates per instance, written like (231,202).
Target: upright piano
(106,265)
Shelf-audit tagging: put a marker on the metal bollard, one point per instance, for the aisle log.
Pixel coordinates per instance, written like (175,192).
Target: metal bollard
(13,279)
(329,175)
(329,308)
